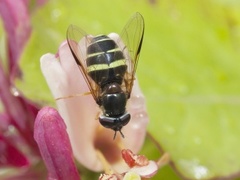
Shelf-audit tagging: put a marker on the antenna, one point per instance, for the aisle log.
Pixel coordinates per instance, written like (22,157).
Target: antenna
(121,133)
(116,134)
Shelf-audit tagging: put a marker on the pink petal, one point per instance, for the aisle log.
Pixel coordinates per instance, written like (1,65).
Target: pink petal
(4,122)
(52,138)
(17,25)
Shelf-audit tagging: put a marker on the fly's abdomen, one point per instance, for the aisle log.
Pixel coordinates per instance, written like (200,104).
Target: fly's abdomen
(105,61)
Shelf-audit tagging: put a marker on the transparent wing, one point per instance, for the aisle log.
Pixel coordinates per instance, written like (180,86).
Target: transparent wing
(78,42)
(132,38)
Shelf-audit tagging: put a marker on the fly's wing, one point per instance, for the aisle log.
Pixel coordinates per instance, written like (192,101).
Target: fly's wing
(78,42)
(132,38)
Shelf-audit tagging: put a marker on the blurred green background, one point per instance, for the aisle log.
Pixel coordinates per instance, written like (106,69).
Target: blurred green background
(189,71)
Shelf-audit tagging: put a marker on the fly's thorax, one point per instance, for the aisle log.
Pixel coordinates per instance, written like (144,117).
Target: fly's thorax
(113,100)
(105,61)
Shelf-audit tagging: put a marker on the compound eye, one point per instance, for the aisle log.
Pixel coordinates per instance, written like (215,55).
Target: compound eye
(115,123)
(124,119)
(107,122)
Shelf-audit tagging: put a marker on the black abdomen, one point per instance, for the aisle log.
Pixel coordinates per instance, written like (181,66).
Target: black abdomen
(105,61)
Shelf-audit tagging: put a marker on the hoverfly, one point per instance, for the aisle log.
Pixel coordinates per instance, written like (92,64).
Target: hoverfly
(109,68)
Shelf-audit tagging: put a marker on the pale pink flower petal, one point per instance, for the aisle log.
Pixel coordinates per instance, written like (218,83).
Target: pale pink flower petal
(147,171)
(64,78)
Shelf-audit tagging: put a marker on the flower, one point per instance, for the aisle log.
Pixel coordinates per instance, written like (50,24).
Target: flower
(87,136)
(74,134)
(19,153)
(140,167)
(91,143)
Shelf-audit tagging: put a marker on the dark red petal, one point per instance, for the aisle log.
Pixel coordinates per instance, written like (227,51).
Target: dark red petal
(53,141)
(134,159)
(21,113)
(127,156)
(10,155)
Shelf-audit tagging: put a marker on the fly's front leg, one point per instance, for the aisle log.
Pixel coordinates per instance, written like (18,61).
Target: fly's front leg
(74,95)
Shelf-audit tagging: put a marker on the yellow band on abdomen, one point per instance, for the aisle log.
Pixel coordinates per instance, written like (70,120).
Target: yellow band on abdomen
(96,67)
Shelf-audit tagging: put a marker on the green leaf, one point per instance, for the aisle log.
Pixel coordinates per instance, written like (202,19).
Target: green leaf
(188,70)
(194,97)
